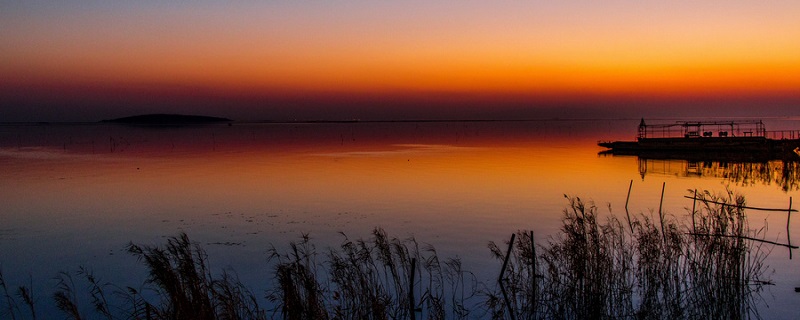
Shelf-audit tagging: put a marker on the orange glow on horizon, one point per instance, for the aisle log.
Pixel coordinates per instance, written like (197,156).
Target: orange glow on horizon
(477,78)
(558,50)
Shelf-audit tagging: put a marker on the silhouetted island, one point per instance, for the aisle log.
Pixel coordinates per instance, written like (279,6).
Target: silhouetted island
(168,119)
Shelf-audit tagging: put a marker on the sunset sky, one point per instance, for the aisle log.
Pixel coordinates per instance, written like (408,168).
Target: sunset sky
(375,60)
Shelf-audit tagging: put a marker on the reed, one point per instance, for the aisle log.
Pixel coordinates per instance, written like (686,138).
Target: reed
(10,306)
(368,279)
(180,277)
(298,292)
(66,298)
(179,286)
(651,266)
(27,299)
(651,270)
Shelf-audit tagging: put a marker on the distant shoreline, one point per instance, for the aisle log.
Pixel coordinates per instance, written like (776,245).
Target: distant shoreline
(167,119)
(227,120)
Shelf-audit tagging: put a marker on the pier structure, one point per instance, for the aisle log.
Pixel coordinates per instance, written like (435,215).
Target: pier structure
(745,140)
(706,129)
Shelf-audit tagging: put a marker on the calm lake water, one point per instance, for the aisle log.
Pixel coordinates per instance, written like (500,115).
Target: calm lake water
(76,195)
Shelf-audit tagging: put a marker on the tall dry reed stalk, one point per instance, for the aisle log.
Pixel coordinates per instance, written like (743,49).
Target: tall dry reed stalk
(180,276)
(369,279)
(643,269)
(179,286)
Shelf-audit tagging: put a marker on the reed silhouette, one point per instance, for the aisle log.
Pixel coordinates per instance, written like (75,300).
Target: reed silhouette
(647,266)
(185,287)
(640,268)
(369,279)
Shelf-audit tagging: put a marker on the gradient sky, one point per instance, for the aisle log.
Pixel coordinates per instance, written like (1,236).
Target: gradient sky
(258,60)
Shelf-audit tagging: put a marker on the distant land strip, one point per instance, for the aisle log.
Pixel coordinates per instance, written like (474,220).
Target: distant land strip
(180,119)
(428,120)
(168,119)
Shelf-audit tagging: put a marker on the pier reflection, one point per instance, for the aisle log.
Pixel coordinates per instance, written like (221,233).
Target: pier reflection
(784,174)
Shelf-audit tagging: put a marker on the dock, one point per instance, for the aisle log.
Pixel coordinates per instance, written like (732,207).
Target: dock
(734,139)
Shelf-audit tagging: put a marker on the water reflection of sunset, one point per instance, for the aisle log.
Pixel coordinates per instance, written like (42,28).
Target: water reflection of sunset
(373,166)
(455,185)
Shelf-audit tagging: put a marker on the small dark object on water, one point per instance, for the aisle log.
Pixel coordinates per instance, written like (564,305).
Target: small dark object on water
(796,289)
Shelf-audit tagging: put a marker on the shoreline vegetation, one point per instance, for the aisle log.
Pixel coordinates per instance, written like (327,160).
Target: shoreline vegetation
(644,266)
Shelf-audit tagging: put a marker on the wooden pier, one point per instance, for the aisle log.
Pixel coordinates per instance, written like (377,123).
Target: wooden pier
(745,139)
